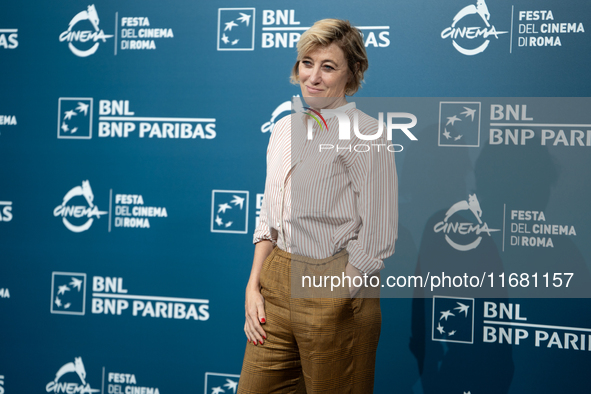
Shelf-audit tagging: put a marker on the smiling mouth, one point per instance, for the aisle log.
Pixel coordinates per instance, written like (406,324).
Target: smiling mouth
(313,90)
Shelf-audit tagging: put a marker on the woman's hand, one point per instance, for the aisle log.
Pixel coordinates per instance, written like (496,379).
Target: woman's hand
(254,303)
(255,315)
(352,272)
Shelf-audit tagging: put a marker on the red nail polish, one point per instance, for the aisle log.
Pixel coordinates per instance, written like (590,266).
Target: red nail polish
(264,337)
(254,342)
(263,320)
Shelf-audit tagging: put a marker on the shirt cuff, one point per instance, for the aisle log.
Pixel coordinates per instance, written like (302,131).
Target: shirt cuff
(262,237)
(363,262)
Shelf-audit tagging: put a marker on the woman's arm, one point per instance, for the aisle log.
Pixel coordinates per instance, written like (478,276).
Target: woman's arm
(264,238)
(254,302)
(374,181)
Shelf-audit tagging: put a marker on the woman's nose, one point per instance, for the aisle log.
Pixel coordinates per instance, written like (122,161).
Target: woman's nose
(316,76)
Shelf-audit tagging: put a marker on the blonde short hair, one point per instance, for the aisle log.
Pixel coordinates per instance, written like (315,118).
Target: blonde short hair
(348,38)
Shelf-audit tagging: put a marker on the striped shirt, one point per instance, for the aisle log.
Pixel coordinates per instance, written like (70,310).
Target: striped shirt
(319,200)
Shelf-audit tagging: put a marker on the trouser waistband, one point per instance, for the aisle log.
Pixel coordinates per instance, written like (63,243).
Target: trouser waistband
(309,260)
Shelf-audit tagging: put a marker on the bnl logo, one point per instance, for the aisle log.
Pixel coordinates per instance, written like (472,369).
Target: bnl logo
(221,383)
(74,118)
(459,123)
(68,293)
(236,29)
(229,211)
(453,319)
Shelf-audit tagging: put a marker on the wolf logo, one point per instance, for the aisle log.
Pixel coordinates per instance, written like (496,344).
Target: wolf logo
(90,14)
(464,32)
(77,366)
(480,8)
(70,35)
(283,107)
(472,204)
(448,227)
(65,211)
(83,190)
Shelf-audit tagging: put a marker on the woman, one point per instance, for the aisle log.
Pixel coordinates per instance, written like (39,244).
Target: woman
(326,212)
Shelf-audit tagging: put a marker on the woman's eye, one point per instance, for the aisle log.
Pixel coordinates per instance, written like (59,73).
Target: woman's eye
(306,63)
(327,67)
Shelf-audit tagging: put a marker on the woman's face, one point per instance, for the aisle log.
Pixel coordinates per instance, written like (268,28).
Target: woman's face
(323,74)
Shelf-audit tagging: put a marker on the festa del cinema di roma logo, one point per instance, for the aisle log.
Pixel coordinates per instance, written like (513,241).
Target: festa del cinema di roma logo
(469,33)
(464,230)
(77,39)
(79,212)
(64,381)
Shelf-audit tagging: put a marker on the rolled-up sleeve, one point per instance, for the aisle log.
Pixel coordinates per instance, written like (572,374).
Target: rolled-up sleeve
(263,231)
(375,184)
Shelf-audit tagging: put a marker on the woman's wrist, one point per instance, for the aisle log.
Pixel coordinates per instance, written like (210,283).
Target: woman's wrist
(352,270)
(251,285)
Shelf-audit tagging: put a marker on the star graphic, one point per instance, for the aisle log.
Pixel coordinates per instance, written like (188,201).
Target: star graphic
(235,41)
(440,328)
(462,308)
(238,201)
(65,127)
(244,18)
(446,134)
(67,305)
(82,108)
(68,114)
(452,333)
(62,289)
(218,220)
(225,38)
(217,390)
(77,283)
(58,302)
(452,119)
(468,112)
(75,129)
(230,25)
(458,137)
(445,315)
(231,385)
(223,207)
(228,224)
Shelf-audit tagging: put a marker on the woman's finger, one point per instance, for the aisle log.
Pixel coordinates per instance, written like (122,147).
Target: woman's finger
(253,328)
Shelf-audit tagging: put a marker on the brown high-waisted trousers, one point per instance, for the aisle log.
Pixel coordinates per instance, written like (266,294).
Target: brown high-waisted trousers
(314,345)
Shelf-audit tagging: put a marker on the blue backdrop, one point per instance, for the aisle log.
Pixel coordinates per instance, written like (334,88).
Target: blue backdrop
(124,126)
